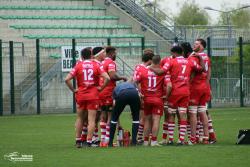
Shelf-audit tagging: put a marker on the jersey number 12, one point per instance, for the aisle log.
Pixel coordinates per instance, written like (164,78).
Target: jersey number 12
(88,74)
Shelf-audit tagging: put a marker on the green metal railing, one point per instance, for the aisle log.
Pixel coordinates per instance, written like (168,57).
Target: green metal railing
(74,62)
(38,76)
(12,76)
(1,80)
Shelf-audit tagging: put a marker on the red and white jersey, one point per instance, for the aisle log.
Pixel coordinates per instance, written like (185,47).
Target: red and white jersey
(138,69)
(180,70)
(151,84)
(167,80)
(108,65)
(200,78)
(167,76)
(165,60)
(99,64)
(87,76)
(78,61)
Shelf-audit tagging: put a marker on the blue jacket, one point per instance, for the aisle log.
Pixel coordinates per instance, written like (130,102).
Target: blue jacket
(122,86)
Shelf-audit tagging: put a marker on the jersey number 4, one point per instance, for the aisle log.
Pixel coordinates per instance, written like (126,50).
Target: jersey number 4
(88,74)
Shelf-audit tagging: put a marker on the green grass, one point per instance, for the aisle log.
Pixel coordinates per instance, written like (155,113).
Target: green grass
(50,139)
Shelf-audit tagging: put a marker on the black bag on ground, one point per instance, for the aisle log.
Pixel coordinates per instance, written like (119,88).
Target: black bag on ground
(243,136)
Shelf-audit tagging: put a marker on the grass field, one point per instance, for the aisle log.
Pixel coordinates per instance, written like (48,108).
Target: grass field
(50,139)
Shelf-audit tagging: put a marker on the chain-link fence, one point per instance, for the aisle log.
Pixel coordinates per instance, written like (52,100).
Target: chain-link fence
(49,70)
(17,67)
(20,72)
(230,76)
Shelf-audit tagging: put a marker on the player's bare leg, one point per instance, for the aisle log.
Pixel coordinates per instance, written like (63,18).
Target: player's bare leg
(108,111)
(188,127)
(103,116)
(171,125)
(183,124)
(193,123)
(84,132)
(178,118)
(147,129)
(109,116)
(212,135)
(120,131)
(155,129)
(78,126)
(91,126)
(103,120)
(95,138)
(165,127)
(204,120)
(141,128)
(84,128)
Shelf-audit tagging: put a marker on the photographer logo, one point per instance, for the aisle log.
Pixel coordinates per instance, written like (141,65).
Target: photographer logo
(17,157)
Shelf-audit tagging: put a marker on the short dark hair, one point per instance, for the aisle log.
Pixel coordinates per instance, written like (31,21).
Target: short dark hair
(187,48)
(177,49)
(97,49)
(156,59)
(147,56)
(110,49)
(86,53)
(202,41)
(148,50)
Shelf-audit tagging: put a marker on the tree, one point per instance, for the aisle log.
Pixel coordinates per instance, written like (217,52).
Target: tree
(239,18)
(191,14)
(246,54)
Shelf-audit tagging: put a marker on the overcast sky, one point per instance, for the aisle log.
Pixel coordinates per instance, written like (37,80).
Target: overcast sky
(173,6)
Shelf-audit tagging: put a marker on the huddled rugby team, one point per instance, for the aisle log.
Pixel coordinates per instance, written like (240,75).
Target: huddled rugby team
(176,86)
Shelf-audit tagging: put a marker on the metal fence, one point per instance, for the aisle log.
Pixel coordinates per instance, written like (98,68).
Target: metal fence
(34,82)
(226,91)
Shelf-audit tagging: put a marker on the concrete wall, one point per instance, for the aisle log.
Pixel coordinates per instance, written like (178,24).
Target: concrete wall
(30,12)
(46,2)
(56,97)
(74,31)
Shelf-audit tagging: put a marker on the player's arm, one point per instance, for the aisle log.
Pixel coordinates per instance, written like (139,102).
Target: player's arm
(208,75)
(156,70)
(201,63)
(111,69)
(161,71)
(136,80)
(114,76)
(106,78)
(67,80)
(192,76)
(169,89)
(168,85)
(138,87)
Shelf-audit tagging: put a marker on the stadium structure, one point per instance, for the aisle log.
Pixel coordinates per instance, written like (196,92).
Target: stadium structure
(123,24)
